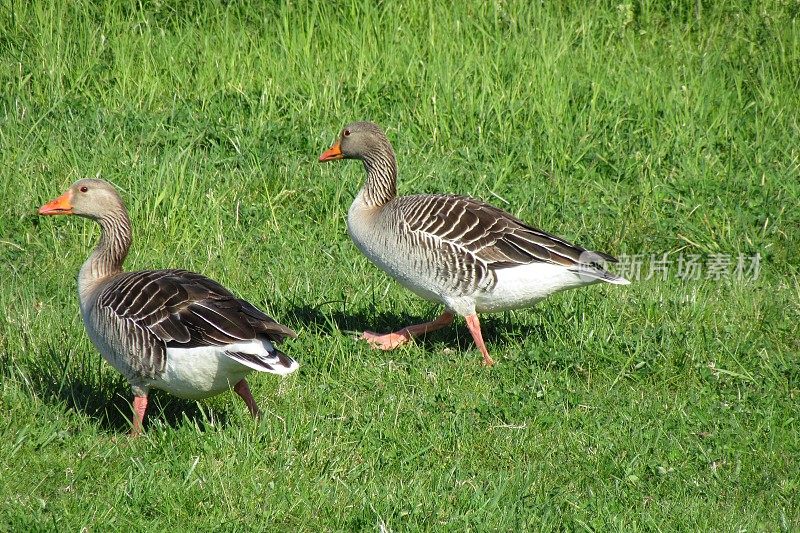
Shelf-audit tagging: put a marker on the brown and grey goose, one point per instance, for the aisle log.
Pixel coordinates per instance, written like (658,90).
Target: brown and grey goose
(460,252)
(167,329)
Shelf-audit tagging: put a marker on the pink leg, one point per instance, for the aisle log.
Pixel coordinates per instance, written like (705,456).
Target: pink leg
(243,390)
(139,407)
(390,341)
(474,326)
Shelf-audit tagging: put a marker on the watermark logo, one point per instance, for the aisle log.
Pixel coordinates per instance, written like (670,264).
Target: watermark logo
(591,266)
(643,267)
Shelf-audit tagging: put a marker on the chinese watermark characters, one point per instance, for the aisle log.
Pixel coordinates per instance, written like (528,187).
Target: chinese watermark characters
(643,267)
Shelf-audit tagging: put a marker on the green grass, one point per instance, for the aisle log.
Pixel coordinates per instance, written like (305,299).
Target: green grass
(643,128)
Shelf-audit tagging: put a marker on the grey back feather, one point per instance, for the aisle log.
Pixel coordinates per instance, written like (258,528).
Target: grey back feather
(463,241)
(143,313)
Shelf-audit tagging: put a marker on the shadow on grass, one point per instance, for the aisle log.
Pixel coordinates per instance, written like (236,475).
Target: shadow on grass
(85,383)
(328,320)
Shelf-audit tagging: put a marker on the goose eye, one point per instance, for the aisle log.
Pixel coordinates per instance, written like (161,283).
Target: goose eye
(346,133)
(84,188)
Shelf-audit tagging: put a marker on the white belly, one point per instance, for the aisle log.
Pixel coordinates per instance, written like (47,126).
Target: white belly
(197,373)
(524,285)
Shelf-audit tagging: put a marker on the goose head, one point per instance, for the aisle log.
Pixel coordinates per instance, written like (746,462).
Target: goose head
(358,140)
(90,198)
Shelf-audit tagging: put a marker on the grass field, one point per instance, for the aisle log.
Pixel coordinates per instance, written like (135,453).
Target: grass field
(637,129)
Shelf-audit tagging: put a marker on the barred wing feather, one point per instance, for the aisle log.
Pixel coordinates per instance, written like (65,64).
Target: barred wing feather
(164,309)
(487,233)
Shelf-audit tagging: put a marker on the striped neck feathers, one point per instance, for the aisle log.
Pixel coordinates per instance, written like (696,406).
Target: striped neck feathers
(380,186)
(107,258)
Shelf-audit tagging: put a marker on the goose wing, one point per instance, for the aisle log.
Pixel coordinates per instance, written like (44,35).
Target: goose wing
(487,234)
(160,309)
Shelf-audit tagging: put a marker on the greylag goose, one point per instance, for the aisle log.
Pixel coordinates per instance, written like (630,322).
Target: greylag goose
(457,251)
(167,329)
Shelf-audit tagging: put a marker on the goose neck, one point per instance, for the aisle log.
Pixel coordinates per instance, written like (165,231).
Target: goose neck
(381,184)
(109,254)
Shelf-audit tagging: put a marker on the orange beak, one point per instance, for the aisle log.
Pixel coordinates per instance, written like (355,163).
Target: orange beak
(60,206)
(332,154)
